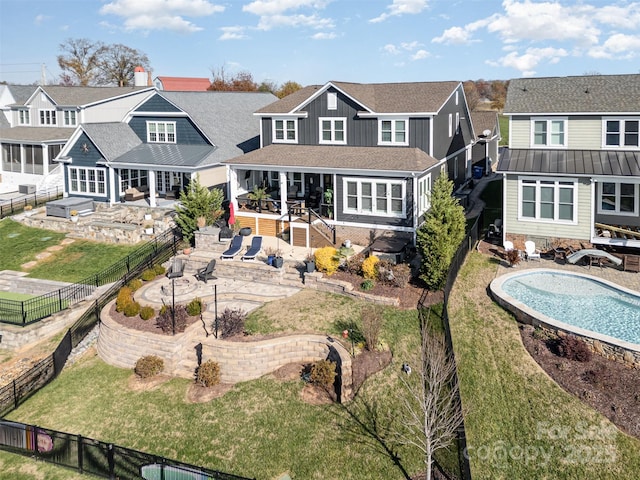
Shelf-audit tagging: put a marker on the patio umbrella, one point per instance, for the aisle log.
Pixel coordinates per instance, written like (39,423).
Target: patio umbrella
(232,217)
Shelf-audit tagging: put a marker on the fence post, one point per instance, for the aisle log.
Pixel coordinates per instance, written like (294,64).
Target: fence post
(24,314)
(15,395)
(110,459)
(80,453)
(60,298)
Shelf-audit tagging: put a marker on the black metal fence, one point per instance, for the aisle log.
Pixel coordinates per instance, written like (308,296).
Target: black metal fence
(29,311)
(464,469)
(94,457)
(16,205)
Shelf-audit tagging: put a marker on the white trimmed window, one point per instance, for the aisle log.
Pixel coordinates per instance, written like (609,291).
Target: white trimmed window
(424,194)
(133,178)
(48,117)
(547,200)
(374,197)
(549,133)
(616,198)
(87,180)
(285,130)
(450,124)
(332,101)
(70,118)
(457,123)
(333,130)
(161,132)
(621,133)
(393,132)
(24,117)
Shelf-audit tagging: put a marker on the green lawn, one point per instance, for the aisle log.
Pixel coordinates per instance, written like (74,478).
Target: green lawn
(519,423)
(504,129)
(20,244)
(261,428)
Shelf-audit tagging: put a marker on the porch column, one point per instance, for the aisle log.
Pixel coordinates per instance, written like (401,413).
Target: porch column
(112,185)
(152,188)
(65,187)
(283,193)
(232,181)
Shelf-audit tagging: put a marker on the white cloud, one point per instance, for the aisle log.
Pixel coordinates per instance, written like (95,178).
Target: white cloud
(40,19)
(233,33)
(391,49)
(311,21)
(420,54)
(618,46)
(324,36)
(277,7)
(528,61)
(160,14)
(402,7)
(279,14)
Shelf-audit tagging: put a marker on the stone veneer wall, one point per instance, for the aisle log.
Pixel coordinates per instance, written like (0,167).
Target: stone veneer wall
(605,349)
(239,361)
(546,243)
(317,281)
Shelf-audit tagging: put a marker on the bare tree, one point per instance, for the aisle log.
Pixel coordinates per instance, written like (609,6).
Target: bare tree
(79,61)
(431,411)
(117,64)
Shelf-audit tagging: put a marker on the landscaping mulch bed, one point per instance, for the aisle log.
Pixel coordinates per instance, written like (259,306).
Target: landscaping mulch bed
(138,323)
(605,385)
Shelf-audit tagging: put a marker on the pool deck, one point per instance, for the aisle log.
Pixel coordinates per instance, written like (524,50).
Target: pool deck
(630,280)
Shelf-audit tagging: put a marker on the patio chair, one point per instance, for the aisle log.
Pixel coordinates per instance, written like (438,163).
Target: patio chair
(508,245)
(206,273)
(177,268)
(531,251)
(495,229)
(234,249)
(254,249)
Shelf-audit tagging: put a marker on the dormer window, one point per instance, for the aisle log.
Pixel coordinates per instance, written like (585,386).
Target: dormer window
(285,130)
(161,132)
(48,117)
(393,132)
(24,118)
(70,119)
(333,130)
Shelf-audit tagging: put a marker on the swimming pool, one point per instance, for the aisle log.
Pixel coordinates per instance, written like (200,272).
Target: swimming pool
(574,302)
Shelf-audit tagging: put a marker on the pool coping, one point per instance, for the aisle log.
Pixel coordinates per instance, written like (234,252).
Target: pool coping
(526,314)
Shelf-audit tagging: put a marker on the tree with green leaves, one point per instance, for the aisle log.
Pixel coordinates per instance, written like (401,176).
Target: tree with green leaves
(198,201)
(439,237)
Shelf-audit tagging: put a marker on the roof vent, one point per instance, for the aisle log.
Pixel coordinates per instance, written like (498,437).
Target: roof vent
(586,90)
(524,89)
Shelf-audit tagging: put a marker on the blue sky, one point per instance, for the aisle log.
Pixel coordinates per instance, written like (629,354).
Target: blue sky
(315,41)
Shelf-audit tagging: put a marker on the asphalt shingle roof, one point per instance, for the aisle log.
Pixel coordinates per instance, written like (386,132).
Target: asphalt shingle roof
(485,121)
(416,97)
(36,134)
(586,94)
(74,96)
(112,139)
(392,159)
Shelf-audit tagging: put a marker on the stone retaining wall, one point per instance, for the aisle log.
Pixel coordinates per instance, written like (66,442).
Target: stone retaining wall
(317,281)
(239,361)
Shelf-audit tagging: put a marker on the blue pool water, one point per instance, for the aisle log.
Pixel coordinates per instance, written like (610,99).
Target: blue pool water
(579,301)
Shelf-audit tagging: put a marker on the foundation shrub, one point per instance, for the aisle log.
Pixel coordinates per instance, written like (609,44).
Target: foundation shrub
(125,297)
(134,284)
(323,373)
(231,322)
(370,267)
(327,260)
(572,348)
(195,307)
(385,272)
(367,285)
(148,275)
(159,269)
(208,374)
(353,264)
(149,366)
(401,274)
(165,319)
(131,309)
(147,312)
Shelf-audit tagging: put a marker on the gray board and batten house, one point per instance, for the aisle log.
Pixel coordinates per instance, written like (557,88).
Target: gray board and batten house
(154,152)
(360,158)
(572,169)
(37,121)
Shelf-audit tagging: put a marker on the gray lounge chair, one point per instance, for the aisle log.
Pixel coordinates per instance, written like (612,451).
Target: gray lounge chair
(254,249)
(177,268)
(206,273)
(234,249)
